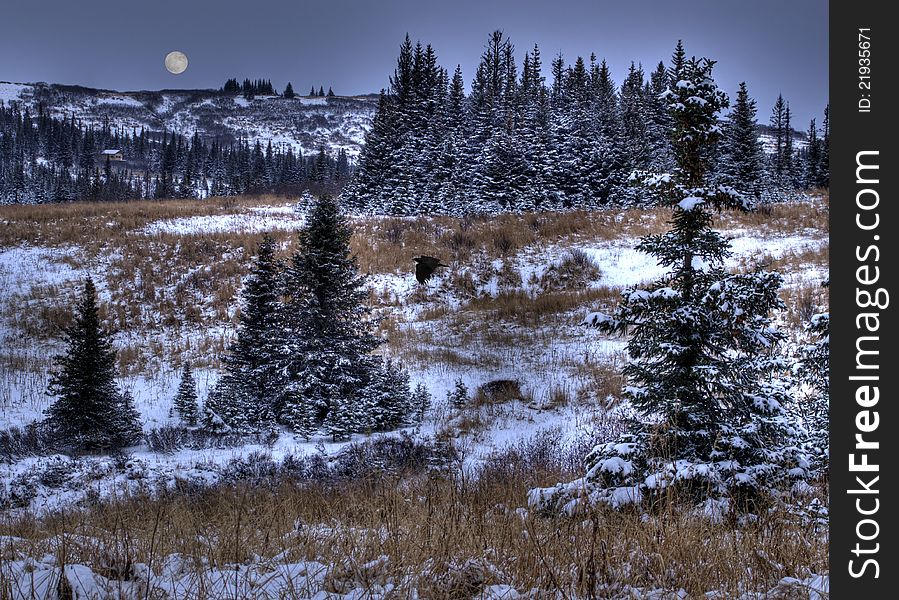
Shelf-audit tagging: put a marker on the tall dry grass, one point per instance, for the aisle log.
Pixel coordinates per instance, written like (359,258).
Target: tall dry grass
(433,528)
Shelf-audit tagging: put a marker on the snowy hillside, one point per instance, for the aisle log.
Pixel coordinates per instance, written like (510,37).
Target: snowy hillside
(301,123)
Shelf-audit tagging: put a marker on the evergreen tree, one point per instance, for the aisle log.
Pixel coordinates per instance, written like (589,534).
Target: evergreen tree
(659,121)
(89,413)
(321,91)
(789,164)
(824,167)
(741,164)
(247,396)
(231,87)
(811,176)
(329,365)
(678,59)
(703,374)
(458,396)
(288,91)
(635,117)
(780,158)
(185,404)
(330,92)
(813,369)
(389,397)
(421,402)
(248,89)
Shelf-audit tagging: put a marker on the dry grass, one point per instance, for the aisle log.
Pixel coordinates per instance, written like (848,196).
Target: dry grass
(81,223)
(429,526)
(525,309)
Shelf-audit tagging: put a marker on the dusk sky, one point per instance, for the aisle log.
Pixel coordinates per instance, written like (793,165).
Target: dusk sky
(776,46)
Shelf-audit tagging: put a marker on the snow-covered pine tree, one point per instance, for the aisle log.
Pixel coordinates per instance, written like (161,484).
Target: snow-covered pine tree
(225,409)
(458,396)
(247,396)
(742,161)
(704,374)
(185,403)
(89,413)
(781,159)
(421,402)
(659,124)
(126,421)
(344,418)
(824,165)
(609,131)
(328,363)
(636,116)
(811,176)
(390,399)
(813,369)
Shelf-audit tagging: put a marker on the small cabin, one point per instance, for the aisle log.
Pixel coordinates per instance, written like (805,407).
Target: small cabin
(112,155)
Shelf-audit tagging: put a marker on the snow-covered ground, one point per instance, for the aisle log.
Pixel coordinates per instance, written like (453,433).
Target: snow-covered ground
(261,220)
(546,360)
(283,577)
(12,92)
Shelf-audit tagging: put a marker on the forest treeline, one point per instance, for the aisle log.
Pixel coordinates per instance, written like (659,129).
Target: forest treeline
(49,159)
(518,142)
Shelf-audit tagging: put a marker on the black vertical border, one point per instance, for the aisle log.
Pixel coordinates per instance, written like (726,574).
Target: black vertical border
(853,131)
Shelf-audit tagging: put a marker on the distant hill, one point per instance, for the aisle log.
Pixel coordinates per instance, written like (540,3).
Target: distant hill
(304,123)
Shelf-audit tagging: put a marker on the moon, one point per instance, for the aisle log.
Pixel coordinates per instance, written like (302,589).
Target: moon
(176,62)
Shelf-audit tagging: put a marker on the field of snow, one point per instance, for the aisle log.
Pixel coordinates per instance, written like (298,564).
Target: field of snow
(505,309)
(555,361)
(264,220)
(279,577)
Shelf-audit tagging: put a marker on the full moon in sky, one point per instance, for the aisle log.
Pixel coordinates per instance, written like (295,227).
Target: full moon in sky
(176,62)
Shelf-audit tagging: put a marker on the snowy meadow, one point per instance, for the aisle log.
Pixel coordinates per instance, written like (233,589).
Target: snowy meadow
(437,508)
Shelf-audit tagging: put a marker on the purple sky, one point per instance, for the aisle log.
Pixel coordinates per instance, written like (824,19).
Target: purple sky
(776,46)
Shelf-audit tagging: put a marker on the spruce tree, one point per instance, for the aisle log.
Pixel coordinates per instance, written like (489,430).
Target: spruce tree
(824,166)
(185,403)
(421,402)
(782,159)
(389,397)
(247,397)
(741,163)
(458,396)
(811,176)
(678,58)
(89,413)
(789,163)
(659,121)
(813,369)
(328,366)
(703,375)
(288,91)
(636,117)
